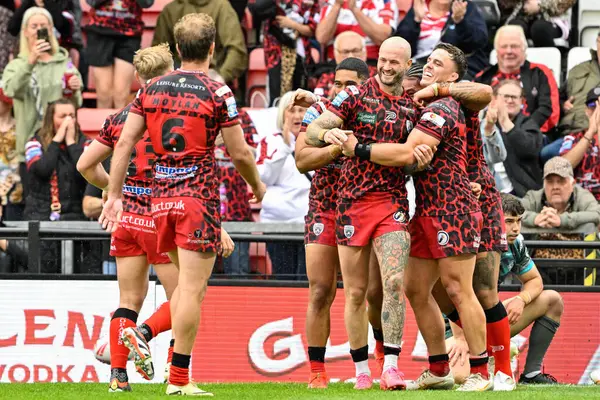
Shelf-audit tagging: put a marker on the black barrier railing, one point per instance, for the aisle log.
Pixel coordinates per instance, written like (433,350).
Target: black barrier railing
(35,232)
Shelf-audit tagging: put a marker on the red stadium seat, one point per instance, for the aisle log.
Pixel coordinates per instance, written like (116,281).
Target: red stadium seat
(150,15)
(256,80)
(91,120)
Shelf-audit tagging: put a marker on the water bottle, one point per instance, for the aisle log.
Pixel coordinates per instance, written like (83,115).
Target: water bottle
(224,200)
(69,73)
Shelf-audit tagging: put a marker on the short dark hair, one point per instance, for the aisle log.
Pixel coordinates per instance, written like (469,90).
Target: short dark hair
(511,205)
(355,64)
(456,55)
(415,71)
(506,82)
(194,34)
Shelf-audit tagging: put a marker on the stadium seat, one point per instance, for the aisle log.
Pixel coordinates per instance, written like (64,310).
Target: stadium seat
(91,119)
(489,11)
(256,80)
(548,56)
(577,55)
(589,22)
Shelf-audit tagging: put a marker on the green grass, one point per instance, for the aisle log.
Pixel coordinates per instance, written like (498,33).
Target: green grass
(276,391)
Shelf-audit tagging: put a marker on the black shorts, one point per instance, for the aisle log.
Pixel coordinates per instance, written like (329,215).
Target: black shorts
(101,50)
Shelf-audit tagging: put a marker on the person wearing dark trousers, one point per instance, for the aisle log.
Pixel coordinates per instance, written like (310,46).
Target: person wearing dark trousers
(240,7)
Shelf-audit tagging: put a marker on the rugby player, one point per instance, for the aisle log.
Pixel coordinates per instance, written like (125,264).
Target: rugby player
(184,111)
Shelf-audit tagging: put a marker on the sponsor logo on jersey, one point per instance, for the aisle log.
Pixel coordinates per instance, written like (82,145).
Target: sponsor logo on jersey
(168,205)
(231,107)
(390,116)
(400,216)
(339,99)
(222,90)
(371,100)
(172,172)
(310,115)
(367,118)
(353,89)
(137,190)
(348,231)
(434,119)
(443,238)
(318,228)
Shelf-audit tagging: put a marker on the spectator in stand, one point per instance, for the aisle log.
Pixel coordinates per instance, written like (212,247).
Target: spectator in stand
(55,187)
(231,55)
(520,170)
(457,22)
(233,191)
(582,78)
(581,149)
(287,45)
(346,44)
(542,21)
(62,17)
(541,91)
(286,199)
(11,189)
(114,34)
(40,74)
(561,203)
(7,41)
(374,20)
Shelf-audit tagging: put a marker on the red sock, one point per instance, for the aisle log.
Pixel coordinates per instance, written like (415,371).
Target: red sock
(379,346)
(179,376)
(498,338)
(317,366)
(479,365)
(122,319)
(160,321)
(170,352)
(439,365)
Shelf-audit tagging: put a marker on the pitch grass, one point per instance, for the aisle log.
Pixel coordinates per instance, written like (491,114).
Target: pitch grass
(279,391)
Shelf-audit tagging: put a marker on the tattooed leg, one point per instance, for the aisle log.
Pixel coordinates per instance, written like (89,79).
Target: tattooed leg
(392,251)
(485,279)
(354,262)
(421,275)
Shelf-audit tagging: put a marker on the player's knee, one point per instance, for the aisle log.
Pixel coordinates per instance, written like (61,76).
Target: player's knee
(488,298)
(132,300)
(356,296)
(556,305)
(375,296)
(455,291)
(393,283)
(321,296)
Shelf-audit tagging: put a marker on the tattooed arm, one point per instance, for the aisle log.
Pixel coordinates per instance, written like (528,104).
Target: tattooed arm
(473,96)
(324,122)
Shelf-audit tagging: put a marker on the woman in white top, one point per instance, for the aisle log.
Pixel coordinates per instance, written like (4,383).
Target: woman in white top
(286,199)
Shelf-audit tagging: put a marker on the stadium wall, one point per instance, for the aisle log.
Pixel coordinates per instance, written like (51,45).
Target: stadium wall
(48,330)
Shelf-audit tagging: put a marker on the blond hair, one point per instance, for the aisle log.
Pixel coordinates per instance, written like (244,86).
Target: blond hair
(153,61)
(284,103)
(23,43)
(511,29)
(194,34)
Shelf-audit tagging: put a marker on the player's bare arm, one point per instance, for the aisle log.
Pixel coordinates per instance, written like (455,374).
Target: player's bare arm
(473,96)
(532,288)
(390,154)
(316,131)
(243,159)
(90,164)
(310,158)
(424,155)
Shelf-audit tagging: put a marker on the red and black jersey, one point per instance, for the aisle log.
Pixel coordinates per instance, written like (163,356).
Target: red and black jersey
(327,79)
(587,173)
(184,112)
(137,190)
(237,207)
(122,16)
(477,168)
(444,188)
(325,182)
(375,117)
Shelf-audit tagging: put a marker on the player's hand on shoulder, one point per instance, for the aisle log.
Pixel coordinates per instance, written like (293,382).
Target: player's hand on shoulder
(259,193)
(227,245)
(424,95)
(476,189)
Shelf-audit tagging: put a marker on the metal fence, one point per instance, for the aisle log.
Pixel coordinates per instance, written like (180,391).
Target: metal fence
(258,234)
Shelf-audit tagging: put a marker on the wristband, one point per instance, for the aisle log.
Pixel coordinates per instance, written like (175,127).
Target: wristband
(363,151)
(525,296)
(444,91)
(435,89)
(322,134)
(335,152)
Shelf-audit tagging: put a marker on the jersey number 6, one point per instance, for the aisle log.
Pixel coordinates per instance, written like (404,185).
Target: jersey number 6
(171,141)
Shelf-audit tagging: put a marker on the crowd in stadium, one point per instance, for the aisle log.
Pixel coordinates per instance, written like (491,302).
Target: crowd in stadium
(83,52)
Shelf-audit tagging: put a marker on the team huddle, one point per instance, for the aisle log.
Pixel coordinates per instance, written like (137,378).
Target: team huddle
(363,143)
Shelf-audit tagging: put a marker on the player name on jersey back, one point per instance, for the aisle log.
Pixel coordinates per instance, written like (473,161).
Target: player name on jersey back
(184,112)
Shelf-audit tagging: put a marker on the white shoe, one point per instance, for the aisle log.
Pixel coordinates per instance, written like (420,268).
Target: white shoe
(504,383)
(167,371)
(476,383)
(428,381)
(188,390)
(595,376)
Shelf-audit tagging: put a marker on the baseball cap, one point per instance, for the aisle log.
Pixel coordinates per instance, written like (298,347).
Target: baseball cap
(592,97)
(558,166)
